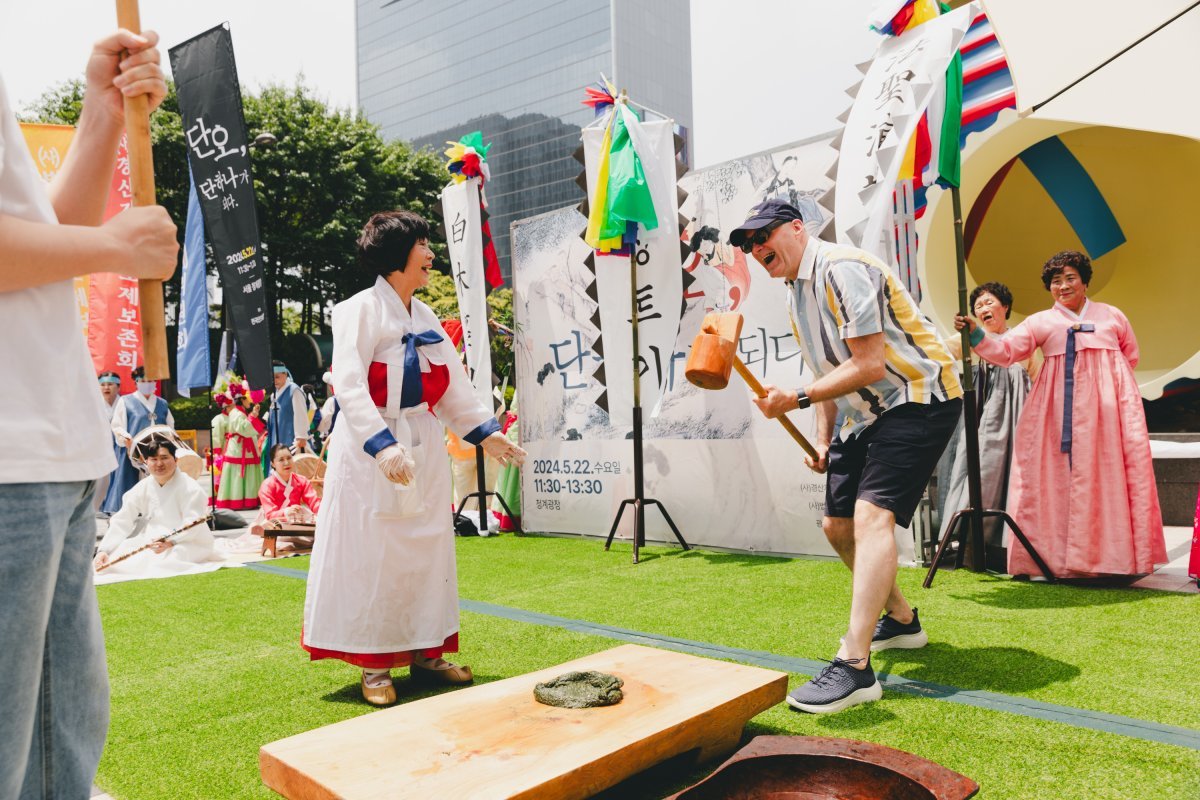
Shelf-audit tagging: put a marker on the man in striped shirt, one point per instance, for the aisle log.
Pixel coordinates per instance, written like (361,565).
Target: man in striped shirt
(883,371)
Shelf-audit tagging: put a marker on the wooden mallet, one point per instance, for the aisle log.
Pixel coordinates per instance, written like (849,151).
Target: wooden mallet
(714,356)
(141,179)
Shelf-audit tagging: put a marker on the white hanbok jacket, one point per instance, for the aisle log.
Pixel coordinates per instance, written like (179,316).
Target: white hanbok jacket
(382,577)
(150,511)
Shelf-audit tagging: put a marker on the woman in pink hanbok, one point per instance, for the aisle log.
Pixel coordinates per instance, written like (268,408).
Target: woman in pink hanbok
(1082,486)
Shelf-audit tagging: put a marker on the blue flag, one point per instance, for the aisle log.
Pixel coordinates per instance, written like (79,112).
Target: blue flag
(192,361)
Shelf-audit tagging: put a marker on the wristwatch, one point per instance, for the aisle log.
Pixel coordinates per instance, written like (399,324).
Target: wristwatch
(802,400)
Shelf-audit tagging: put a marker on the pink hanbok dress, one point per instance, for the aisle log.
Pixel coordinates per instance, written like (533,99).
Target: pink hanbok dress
(1083,493)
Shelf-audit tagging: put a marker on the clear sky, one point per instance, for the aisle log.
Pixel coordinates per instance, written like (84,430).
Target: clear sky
(765,72)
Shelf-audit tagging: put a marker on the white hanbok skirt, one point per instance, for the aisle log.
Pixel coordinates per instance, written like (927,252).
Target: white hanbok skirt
(382,578)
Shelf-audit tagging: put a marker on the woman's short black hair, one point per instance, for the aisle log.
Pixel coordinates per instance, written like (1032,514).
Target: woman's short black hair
(1067,258)
(997,290)
(387,238)
(108,373)
(138,373)
(275,449)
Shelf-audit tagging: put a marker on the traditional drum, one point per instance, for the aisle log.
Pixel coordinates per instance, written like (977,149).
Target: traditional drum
(312,467)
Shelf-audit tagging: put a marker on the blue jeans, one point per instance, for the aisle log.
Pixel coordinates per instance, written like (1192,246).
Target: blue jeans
(53,678)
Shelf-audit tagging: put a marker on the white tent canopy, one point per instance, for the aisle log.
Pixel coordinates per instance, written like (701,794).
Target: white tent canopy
(1052,45)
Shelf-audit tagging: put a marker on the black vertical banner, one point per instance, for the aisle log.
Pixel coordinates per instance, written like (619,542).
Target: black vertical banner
(214,130)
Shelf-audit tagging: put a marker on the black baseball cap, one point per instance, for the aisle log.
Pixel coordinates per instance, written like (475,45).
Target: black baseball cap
(762,215)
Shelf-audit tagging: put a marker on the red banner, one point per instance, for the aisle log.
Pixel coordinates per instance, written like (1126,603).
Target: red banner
(114,317)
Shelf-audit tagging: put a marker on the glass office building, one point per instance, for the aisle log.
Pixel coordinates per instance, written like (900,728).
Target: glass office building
(430,71)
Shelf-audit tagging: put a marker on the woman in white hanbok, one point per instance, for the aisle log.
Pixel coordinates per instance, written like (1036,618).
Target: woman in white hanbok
(160,503)
(382,588)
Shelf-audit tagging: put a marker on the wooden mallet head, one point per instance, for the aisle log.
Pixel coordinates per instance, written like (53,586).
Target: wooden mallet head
(714,350)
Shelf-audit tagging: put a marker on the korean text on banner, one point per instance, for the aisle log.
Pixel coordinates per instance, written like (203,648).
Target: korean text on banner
(886,111)
(460,207)
(210,103)
(114,312)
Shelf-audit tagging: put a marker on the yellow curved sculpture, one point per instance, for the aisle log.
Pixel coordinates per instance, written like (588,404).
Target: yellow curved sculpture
(1149,181)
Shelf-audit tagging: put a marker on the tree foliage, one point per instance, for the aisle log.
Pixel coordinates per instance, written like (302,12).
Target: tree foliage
(329,171)
(315,188)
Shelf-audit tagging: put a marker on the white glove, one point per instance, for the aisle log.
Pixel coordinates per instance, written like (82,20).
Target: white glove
(396,464)
(500,448)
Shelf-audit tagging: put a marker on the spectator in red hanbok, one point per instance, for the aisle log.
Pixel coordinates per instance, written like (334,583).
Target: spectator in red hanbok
(287,495)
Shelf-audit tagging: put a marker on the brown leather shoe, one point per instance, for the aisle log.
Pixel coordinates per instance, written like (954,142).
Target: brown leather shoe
(378,695)
(443,672)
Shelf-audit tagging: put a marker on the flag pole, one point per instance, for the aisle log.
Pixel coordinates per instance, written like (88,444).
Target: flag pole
(970,404)
(639,500)
(975,512)
(141,176)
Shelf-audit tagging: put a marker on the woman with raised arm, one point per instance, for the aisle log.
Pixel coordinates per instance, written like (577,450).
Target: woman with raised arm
(1082,486)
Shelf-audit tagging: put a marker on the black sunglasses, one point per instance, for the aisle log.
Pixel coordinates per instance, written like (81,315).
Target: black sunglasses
(760,236)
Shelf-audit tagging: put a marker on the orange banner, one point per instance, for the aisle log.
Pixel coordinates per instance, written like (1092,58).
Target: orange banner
(48,145)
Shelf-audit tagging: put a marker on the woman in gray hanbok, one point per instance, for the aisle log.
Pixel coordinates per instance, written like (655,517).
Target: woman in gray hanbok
(1002,392)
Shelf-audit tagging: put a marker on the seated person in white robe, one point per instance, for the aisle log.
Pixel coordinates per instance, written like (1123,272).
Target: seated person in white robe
(156,505)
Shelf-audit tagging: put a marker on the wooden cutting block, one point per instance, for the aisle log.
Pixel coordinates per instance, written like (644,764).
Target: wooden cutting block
(496,741)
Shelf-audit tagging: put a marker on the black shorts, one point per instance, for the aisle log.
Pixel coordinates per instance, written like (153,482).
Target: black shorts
(889,462)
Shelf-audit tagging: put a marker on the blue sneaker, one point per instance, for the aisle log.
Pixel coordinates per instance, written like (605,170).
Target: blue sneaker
(890,634)
(839,686)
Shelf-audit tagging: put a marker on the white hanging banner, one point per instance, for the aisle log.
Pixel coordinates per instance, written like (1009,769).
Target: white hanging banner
(659,275)
(885,114)
(727,475)
(464,241)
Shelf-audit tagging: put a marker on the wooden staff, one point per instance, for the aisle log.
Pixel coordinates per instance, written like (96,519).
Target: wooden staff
(714,356)
(159,540)
(141,178)
(758,389)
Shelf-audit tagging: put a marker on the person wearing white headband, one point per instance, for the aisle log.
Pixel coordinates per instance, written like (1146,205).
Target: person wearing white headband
(110,390)
(132,414)
(287,421)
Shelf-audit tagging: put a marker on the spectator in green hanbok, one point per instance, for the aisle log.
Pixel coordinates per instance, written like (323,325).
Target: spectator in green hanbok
(241,470)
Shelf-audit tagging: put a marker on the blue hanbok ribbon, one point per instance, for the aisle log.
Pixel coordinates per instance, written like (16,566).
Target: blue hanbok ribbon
(1069,385)
(410,393)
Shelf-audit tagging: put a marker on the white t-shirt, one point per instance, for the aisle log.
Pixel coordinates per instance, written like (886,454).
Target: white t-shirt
(55,428)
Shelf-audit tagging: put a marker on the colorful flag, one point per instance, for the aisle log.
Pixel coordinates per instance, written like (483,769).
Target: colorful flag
(468,161)
(621,198)
(630,170)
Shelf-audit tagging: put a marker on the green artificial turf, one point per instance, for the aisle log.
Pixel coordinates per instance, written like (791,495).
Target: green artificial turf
(207,668)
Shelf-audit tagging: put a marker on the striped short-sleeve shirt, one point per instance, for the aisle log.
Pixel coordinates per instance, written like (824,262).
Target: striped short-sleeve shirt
(842,293)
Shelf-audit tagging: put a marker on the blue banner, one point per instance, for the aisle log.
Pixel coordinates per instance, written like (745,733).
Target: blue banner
(192,361)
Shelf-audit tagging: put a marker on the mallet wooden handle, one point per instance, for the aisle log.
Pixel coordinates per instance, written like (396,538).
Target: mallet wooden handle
(141,179)
(758,389)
